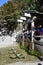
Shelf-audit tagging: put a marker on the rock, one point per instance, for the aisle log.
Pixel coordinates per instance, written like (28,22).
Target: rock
(20,56)
(10,52)
(13,56)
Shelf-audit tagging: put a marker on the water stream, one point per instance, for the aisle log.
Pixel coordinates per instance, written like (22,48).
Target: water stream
(7,40)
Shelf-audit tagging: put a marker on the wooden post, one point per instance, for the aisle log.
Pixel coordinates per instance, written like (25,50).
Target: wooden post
(23,40)
(32,25)
(32,28)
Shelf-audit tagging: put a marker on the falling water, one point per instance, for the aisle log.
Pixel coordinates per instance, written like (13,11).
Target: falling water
(7,40)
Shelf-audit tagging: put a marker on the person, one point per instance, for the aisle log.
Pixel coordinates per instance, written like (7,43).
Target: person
(39,64)
(37,34)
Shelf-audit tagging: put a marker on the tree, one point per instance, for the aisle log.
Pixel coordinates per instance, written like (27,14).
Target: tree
(7,8)
(11,22)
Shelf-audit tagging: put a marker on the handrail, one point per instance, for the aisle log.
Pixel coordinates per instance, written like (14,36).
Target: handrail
(38,42)
(38,36)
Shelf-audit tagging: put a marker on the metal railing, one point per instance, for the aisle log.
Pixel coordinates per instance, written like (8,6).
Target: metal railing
(38,36)
(40,42)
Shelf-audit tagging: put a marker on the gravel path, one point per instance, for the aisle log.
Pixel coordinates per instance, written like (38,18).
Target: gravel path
(26,63)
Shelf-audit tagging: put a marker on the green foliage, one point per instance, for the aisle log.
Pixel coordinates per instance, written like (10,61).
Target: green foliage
(8,17)
(22,47)
(11,21)
(17,6)
(13,9)
(8,8)
(31,52)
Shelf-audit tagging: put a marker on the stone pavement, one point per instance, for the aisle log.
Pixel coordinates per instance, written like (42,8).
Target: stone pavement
(26,63)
